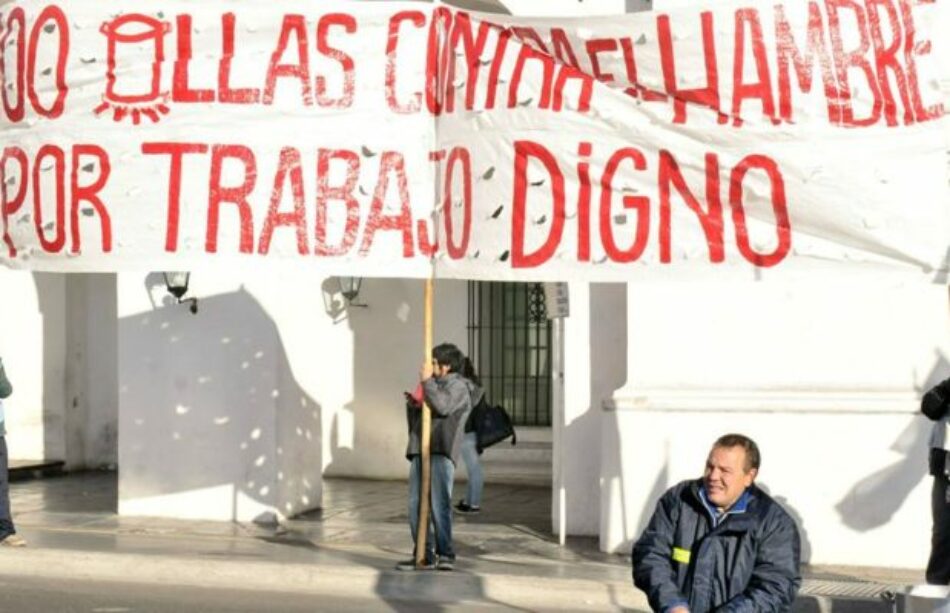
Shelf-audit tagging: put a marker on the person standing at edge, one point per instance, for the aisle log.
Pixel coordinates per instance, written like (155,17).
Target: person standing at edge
(8,535)
(451,397)
(719,543)
(935,404)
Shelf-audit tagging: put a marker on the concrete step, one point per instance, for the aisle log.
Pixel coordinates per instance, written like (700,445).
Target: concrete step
(527,463)
(516,473)
(24,470)
(532,434)
(523,452)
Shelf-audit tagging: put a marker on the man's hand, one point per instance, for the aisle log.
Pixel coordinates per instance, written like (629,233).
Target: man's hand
(426,371)
(679,610)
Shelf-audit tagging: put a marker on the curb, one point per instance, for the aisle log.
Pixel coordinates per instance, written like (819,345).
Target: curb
(351,579)
(342,580)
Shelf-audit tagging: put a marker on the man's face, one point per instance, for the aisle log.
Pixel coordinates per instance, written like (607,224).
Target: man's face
(725,477)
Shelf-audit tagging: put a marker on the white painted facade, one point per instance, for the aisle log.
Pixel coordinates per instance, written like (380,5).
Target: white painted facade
(58,341)
(824,375)
(239,411)
(236,412)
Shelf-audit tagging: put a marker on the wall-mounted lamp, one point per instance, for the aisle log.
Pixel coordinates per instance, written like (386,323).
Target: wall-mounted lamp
(177,285)
(350,288)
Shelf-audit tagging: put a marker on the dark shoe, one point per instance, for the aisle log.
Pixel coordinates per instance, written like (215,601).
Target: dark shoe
(461,507)
(446,564)
(410,564)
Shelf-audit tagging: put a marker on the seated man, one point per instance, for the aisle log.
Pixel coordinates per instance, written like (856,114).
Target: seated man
(719,543)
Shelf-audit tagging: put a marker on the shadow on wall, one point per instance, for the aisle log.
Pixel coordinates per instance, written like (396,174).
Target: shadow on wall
(341,453)
(796,517)
(942,276)
(874,500)
(209,401)
(659,487)
(800,522)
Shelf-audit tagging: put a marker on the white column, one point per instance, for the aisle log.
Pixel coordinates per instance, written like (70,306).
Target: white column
(91,420)
(33,348)
(593,364)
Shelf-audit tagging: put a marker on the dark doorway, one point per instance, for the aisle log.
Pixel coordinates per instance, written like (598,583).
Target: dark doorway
(509,341)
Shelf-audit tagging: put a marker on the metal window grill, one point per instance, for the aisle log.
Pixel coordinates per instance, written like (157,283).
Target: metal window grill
(509,342)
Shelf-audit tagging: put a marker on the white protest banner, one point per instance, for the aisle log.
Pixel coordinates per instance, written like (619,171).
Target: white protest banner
(406,139)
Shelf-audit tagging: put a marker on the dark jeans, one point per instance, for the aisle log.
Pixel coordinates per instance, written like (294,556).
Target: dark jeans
(440,507)
(938,569)
(6,522)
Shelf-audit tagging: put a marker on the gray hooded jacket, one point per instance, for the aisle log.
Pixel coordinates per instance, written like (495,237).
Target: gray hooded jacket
(451,399)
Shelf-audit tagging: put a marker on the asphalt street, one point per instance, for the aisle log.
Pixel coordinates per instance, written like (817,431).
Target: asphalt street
(50,595)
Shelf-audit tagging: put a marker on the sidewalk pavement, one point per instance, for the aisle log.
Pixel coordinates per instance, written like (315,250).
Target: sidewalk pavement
(507,557)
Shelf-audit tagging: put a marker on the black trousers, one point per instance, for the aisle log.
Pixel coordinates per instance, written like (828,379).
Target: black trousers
(938,569)
(6,522)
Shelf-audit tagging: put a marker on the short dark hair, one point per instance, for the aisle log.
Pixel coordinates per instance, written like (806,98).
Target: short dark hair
(447,354)
(752,457)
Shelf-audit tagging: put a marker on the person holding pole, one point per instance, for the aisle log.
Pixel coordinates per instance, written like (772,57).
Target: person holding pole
(450,396)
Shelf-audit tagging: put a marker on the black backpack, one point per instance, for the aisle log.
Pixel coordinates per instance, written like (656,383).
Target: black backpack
(936,402)
(491,424)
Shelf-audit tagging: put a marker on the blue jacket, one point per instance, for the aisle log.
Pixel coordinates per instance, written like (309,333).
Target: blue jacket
(748,560)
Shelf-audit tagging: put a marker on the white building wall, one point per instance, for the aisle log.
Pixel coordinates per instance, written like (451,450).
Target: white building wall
(33,347)
(366,435)
(826,377)
(233,413)
(212,410)
(594,358)
(91,411)
(57,340)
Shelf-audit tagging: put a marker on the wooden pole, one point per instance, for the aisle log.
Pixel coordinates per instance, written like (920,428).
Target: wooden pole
(425,437)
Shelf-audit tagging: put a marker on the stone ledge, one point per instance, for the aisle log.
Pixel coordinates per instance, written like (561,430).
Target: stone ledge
(765,401)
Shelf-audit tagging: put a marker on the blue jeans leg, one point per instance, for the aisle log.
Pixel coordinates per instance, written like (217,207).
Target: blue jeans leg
(415,483)
(6,521)
(473,493)
(443,476)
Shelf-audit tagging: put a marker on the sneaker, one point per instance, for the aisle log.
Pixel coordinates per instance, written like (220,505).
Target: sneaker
(13,540)
(409,565)
(461,507)
(446,564)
